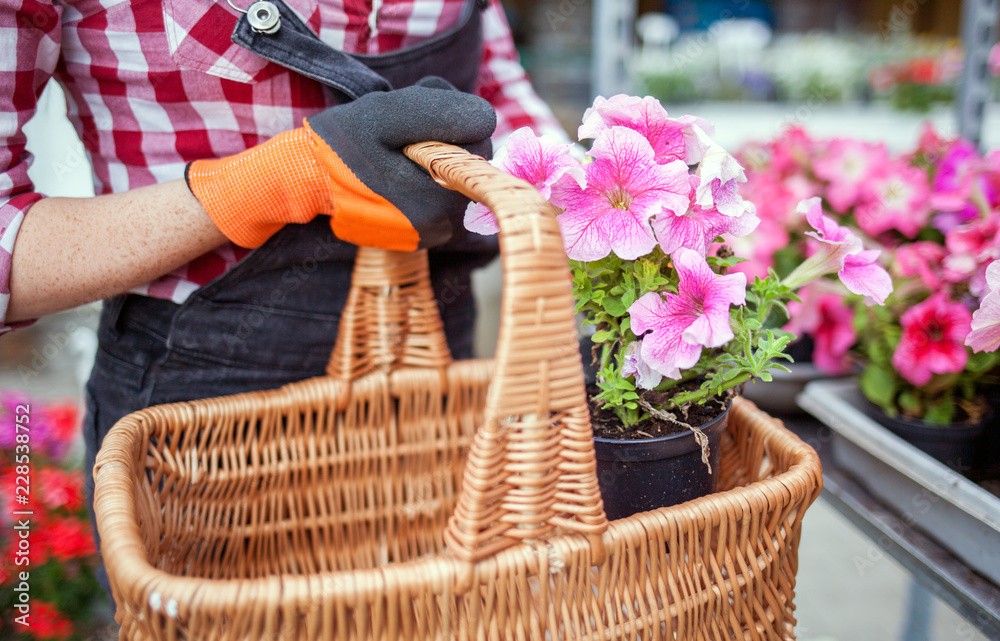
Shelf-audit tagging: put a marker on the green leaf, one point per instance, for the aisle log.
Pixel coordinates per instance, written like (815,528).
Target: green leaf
(602,336)
(909,403)
(628,298)
(624,384)
(730,374)
(728,261)
(941,413)
(878,386)
(613,305)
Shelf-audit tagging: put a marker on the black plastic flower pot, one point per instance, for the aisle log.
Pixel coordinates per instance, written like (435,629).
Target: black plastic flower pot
(641,475)
(955,445)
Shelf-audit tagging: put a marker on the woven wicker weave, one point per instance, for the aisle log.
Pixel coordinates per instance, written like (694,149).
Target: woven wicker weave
(408,497)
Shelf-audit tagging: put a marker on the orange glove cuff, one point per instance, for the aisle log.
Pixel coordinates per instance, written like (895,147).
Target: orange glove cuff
(290,179)
(253,194)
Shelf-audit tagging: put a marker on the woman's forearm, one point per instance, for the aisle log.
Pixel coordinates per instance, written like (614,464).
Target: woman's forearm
(72,251)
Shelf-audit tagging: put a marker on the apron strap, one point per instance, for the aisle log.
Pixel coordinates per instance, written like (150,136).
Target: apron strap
(295,46)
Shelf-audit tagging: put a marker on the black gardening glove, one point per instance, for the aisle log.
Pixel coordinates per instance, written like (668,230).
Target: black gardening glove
(367,137)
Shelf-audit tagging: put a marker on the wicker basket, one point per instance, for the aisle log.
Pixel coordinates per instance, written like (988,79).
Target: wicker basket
(405,496)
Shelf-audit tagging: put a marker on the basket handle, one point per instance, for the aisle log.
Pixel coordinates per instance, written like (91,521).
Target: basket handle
(531,466)
(390,318)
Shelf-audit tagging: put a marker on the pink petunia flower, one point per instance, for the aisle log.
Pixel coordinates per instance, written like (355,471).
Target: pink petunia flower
(921,259)
(895,198)
(696,316)
(930,144)
(792,152)
(828,320)
(645,376)
(720,174)
(970,248)
(625,188)
(863,275)
(760,247)
(985,334)
(537,160)
(671,138)
(955,177)
(846,166)
(932,341)
(838,250)
(697,228)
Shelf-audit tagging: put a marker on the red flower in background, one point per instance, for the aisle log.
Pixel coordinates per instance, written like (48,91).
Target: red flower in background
(55,428)
(60,488)
(64,418)
(933,340)
(924,71)
(48,623)
(65,539)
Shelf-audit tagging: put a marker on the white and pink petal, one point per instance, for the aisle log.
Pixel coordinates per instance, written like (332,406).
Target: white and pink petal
(863,275)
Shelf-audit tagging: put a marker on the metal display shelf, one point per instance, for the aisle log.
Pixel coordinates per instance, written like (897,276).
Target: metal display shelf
(896,532)
(949,578)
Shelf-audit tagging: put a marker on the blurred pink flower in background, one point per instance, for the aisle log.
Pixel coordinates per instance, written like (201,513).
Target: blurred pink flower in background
(791,152)
(985,334)
(826,318)
(933,339)
(956,176)
(970,248)
(894,198)
(847,165)
(923,260)
(768,238)
(930,144)
(994,60)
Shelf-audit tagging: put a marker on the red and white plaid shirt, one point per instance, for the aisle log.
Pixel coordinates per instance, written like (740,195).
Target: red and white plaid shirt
(154,84)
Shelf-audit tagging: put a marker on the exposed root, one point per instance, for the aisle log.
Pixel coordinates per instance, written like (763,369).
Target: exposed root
(670,417)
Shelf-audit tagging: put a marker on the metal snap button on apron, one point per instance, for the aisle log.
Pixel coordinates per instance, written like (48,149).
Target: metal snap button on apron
(262,15)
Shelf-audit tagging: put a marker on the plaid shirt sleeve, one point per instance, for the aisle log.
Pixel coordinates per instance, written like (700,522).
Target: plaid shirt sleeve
(30,39)
(503,82)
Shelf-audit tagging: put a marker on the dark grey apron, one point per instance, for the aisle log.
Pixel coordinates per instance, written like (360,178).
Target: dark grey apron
(272,318)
